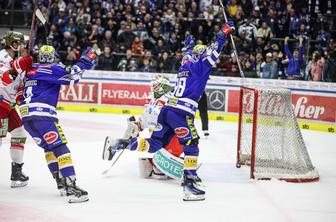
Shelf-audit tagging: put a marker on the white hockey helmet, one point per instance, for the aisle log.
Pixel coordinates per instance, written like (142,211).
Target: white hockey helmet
(160,85)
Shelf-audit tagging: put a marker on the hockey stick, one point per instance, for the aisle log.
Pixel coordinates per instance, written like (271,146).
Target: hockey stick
(32,28)
(108,170)
(232,42)
(44,22)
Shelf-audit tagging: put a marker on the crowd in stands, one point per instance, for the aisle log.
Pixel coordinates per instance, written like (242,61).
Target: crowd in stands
(292,39)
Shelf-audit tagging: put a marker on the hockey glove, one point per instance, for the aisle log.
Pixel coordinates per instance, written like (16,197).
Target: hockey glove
(19,95)
(22,64)
(226,30)
(88,57)
(188,43)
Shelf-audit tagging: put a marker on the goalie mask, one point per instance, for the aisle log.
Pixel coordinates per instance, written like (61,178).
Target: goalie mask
(13,40)
(46,54)
(160,85)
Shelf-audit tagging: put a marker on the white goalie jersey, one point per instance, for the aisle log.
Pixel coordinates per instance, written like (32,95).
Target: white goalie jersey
(149,118)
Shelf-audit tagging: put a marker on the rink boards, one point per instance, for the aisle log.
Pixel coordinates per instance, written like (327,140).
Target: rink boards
(314,103)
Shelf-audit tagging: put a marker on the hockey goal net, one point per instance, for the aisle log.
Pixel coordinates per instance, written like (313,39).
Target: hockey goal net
(269,138)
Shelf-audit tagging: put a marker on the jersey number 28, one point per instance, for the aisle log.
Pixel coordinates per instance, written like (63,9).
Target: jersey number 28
(180,87)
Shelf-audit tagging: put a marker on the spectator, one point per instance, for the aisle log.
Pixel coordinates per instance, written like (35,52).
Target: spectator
(84,29)
(164,63)
(126,38)
(231,67)
(249,29)
(264,31)
(108,41)
(127,63)
(234,9)
(329,69)
(106,60)
(61,20)
(71,56)
(258,61)
(146,66)
(295,60)
(137,46)
(70,27)
(173,43)
(269,68)
(314,68)
(161,25)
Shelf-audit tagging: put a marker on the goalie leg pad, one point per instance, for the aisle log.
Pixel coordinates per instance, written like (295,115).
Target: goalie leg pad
(145,167)
(169,164)
(149,170)
(132,129)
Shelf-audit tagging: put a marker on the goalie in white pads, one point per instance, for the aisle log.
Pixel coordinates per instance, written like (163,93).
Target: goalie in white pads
(166,162)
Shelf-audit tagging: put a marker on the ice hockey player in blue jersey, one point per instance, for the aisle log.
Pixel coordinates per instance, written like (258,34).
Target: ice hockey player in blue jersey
(177,115)
(40,120)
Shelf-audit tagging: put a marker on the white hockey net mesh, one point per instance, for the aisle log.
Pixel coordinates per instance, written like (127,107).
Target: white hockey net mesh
(280,151)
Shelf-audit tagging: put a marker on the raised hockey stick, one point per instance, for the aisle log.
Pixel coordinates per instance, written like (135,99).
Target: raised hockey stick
(32,28)
(232,42)
(108,170)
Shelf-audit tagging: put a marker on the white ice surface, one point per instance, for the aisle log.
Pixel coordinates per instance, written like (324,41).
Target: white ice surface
(123,196)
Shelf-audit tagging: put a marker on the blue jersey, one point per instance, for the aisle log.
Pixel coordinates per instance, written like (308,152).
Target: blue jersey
(42,88)
(193,76)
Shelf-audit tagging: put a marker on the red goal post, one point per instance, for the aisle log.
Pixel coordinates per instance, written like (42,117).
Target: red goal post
(269,138)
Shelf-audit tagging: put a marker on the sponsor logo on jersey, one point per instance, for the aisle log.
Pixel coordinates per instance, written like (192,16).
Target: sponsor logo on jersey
(181,132)
(37,140)
(50,137)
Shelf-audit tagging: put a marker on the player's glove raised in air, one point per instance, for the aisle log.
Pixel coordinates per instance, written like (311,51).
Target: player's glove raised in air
(22,64)
(226,30)
(188,43)
(88,57)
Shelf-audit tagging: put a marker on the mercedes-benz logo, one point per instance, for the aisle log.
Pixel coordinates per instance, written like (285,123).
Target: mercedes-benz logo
(217,99)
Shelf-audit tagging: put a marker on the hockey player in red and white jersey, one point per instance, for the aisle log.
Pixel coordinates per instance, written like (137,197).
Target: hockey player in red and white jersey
(13,42)
(12,73)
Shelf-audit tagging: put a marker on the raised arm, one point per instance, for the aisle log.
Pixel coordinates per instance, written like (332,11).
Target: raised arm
(214,50)
(287,51)
(72,74)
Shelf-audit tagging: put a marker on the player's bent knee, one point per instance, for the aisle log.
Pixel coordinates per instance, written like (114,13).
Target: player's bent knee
(18,132)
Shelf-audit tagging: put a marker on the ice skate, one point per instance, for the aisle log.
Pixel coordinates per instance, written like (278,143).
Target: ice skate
(206,133)
(18,178)
(191,191)
(111,147)
(75,194)
(60,181)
